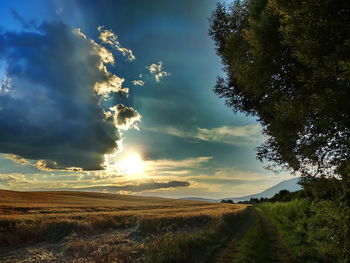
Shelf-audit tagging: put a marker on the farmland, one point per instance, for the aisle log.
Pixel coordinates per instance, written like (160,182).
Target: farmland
(97,227)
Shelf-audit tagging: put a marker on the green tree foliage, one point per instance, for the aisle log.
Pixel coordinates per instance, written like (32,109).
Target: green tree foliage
(322,188)
(288,64)
(226,201)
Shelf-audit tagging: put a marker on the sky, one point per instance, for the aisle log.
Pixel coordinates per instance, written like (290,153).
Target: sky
(116,96)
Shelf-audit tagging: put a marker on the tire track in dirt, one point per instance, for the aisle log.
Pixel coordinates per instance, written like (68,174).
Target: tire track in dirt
(227,251)
(279,251)
(224,251)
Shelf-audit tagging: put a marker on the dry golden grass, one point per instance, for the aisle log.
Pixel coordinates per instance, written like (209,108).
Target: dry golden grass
(78,206)
(27,218)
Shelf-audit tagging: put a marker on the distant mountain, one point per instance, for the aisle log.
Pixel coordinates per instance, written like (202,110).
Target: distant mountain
(290,185)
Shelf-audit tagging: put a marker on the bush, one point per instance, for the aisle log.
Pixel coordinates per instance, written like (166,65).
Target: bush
(314,231)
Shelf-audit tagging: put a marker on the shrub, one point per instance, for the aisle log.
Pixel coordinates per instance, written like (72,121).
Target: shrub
(314,231)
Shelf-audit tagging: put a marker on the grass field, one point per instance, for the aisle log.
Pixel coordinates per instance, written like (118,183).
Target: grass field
(97,227)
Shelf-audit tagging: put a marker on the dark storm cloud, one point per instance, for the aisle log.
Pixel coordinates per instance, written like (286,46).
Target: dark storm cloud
(125,117)
(139,187)
(48,110)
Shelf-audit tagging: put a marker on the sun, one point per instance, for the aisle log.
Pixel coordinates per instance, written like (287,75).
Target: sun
(131,164)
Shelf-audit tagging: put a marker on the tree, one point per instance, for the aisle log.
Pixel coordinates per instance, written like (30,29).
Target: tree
(227,201)
(288,64)
(282,196)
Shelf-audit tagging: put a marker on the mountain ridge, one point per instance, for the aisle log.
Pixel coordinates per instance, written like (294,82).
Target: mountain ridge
(290,185)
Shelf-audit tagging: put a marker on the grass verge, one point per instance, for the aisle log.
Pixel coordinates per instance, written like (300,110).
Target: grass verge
(313,231)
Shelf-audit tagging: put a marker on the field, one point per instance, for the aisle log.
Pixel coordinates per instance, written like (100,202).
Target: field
(97,227)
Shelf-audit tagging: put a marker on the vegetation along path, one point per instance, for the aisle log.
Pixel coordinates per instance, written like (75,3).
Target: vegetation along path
(254,238)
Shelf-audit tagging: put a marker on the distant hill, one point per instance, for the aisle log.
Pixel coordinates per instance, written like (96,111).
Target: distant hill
(199,199)
(290,185)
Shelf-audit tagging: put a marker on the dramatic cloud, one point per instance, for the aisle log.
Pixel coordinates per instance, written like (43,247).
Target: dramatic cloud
(157,71)
(137,187)
(109,37)
(112,84)
(55,79)
(124,117)
(138,82)
(233,135)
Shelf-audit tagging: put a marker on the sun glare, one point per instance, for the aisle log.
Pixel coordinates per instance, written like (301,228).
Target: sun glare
(132,164)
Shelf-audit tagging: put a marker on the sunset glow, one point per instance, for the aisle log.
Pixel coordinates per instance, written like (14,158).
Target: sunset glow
(132,164)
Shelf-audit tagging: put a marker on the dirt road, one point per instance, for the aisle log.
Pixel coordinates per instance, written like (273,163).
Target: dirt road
(254,238)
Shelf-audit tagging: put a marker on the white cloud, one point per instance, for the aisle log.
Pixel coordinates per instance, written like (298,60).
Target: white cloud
(112,84)
(175,169)
(233,135)
(12,179)
(59,11)
(5,85)
(79,32)
(105,55)
(17,159)
(170,168)
(154,68)
(44,165)
(185,163)
(109,37)
(157,71)
(138,82)
(48,165)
